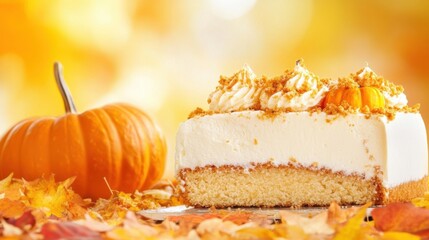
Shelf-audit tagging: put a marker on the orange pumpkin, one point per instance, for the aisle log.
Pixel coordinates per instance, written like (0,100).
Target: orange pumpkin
(117,143)
(356,97)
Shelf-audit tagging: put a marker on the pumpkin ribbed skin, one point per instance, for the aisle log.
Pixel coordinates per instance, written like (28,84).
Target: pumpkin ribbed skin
(356,97)
(118,142)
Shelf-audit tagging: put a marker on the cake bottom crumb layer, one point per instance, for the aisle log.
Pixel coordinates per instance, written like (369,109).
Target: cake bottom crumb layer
(287,186)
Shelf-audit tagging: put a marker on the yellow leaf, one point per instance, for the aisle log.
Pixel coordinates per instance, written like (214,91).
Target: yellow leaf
(216,225)
(295,232)
(399,236)
(311,225)
(134,229)
(4,183)
(10,188)
(281,230)
(256,233)
(11,209)
(338,215)
(422,201)
(53,198)
(352,229)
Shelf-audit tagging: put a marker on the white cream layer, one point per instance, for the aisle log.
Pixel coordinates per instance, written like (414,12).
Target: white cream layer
(351,144)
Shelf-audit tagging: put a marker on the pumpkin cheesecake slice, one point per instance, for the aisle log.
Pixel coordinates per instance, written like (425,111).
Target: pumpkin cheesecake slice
(298,140)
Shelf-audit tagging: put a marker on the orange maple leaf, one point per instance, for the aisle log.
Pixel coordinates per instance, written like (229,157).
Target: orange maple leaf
(11,208)
(53,198)
(402,217)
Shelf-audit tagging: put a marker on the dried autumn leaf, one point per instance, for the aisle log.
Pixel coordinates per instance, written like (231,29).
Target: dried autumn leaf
(215,236)
(131,221)
(11,188)
(4,183)
(134,229)
(353,229)
(216,225)
(256,233)
(195,219)
(281,229)
(67,230)
(338,215)
(115,208)
(121,233)
(120,203)
(25,222)
(401,217)
(295,232)
(398,236)
(94,225)
(11,208)
(422,201)
(10,230)
(54,198)
(311,225)
(191,219)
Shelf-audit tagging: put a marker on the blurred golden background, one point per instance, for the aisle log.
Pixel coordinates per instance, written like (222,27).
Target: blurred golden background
(166,56)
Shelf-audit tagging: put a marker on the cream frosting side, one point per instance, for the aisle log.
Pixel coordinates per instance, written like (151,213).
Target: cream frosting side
(240,93)
(407,149)
(351,144)
(303,91)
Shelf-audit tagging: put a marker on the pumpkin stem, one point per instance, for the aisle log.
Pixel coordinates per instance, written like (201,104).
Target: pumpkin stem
(64,90)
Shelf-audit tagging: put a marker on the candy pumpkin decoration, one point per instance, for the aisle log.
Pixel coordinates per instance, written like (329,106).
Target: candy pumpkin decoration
(116,143)
(356,97)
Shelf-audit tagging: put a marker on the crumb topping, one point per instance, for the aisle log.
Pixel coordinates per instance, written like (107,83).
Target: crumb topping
(299,90)
(367,78)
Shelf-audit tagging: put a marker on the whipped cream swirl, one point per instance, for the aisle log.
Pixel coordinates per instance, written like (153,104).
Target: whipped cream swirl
(301,92)
(240,92)
(397,100)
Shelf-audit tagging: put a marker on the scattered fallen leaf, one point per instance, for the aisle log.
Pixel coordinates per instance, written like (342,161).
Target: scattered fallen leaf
(214,236)
(43,194)
(11,208)
(402,217)
(11,188)
(422,201)
(67,230)
(44,208)
(133,228)
(94,224)
(352,228)
(195,219)
(256,233)
(311,225)
(338,215)
(25,222)
(47,194)
(398,236)
(4,183)
(218,225)
(10,230)
(120,203)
